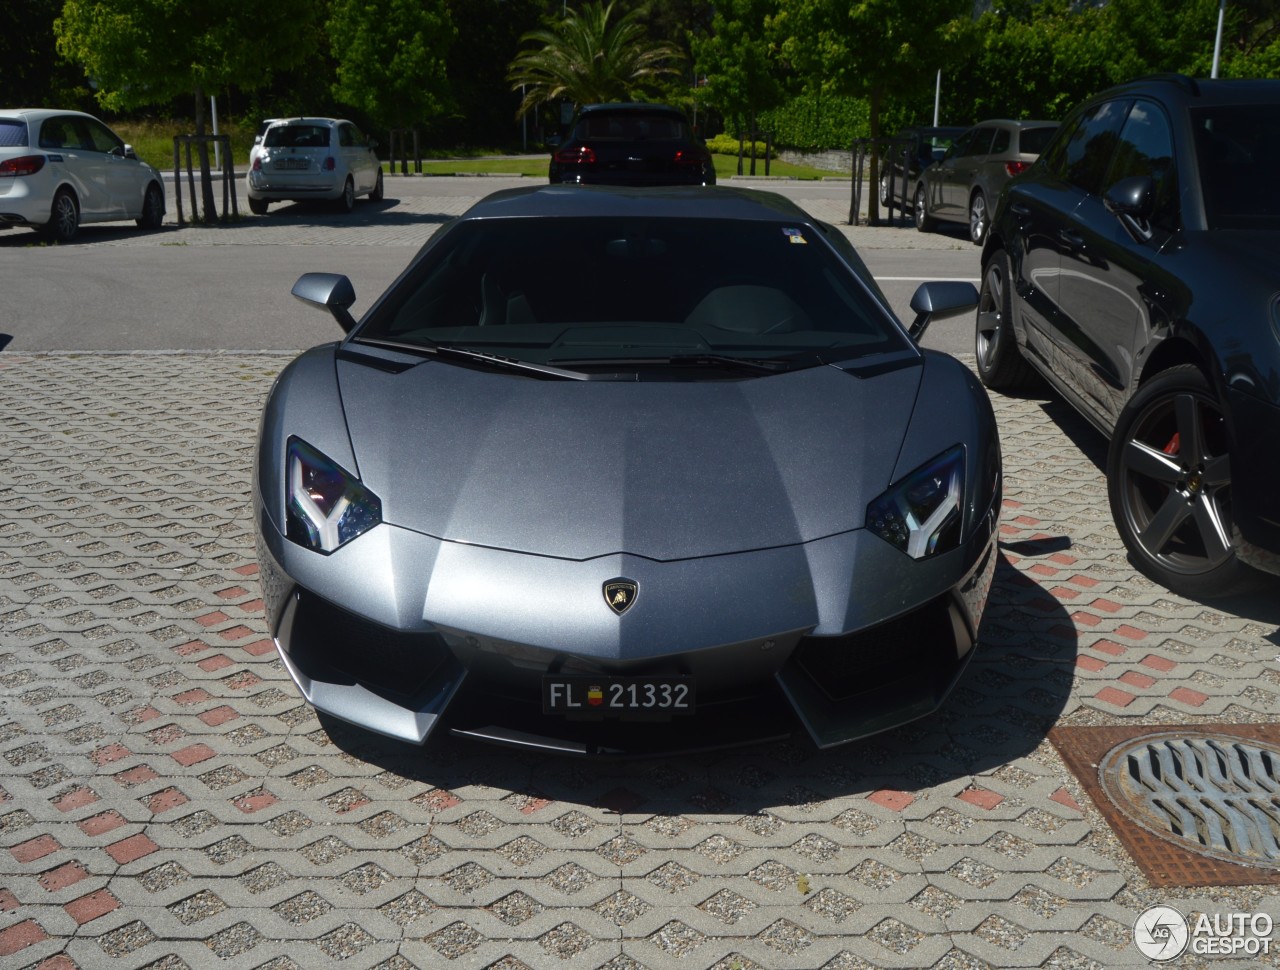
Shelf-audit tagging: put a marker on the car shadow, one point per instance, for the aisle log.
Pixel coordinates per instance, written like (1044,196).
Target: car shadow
(1012,693)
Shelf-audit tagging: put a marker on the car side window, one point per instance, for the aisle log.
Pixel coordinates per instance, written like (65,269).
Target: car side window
(1089,147)
(101,137)
(54,134)
(1000,144)
(979,144)
(346,138)
(1146,148)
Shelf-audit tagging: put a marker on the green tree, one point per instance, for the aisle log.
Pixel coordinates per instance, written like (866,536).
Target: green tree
(873,49)
(590,57)
(391,58)
(739,60)
(139,53)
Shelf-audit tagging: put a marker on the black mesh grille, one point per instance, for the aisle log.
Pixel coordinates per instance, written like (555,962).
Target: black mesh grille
(326,640)
(918,648)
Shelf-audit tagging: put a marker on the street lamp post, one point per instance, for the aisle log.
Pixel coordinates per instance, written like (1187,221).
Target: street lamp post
(1217,43)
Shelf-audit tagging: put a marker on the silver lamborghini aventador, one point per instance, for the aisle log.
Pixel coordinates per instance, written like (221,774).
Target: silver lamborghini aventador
(623,471)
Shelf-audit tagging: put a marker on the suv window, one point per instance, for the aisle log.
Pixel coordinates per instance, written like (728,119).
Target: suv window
(1082,156)
(1032,141)
(1001,143)
(631,126)
(1236,146)
(1146,148)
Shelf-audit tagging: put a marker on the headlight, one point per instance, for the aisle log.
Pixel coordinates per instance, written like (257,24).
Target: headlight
(921,514)
(325,506)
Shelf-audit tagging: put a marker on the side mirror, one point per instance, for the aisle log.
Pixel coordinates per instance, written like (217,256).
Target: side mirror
(934,301)
(328,291)
(1133,201)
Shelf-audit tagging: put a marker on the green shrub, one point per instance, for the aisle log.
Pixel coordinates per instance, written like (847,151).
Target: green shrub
(814,122)
(724,144)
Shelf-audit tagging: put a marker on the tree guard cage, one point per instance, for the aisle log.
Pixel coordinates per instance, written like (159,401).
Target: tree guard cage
(230,206)
(399,148)
(753,137)
(888,151)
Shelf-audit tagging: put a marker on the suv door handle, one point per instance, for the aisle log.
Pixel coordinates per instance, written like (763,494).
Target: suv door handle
(1071,238)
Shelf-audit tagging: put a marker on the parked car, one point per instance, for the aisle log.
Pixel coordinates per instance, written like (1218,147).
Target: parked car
(1136,267)
(964,185)
(709,492)
(911,151)
(59,169)
(255,150)
(632,144)
(313,158)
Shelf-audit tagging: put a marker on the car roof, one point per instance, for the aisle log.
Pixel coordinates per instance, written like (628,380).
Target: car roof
(39,114)
(1200,91)
(636,106)
(308,121)
(1015,123)
(672,202)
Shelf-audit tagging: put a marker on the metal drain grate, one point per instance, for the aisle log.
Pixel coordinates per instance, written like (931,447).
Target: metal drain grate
(1217,793)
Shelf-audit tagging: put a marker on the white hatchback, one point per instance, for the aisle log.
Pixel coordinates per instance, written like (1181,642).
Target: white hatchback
(313,158)
(59,169)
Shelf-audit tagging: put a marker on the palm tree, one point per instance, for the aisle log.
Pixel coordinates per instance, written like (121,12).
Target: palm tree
(587,60)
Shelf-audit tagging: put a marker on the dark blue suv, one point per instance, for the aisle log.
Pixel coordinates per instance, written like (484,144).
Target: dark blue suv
(1136,268)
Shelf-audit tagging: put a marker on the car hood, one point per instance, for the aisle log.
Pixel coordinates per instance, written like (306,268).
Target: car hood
(663,469)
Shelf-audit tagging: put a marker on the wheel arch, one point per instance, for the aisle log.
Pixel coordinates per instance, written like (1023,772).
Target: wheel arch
(1185,346)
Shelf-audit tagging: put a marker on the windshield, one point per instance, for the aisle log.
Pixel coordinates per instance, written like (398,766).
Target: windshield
(584,291)
(1236,146)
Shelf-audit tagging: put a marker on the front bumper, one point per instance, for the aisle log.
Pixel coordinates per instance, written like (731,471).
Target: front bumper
(404,635)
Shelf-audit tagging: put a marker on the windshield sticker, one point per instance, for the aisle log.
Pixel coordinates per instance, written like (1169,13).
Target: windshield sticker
(795,236)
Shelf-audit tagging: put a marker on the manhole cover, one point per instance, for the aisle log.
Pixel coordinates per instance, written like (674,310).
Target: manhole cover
(1215,793)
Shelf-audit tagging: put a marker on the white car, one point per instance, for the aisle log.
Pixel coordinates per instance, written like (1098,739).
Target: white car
(313,158)
(59,169)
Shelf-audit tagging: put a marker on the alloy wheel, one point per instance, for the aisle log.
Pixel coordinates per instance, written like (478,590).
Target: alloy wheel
(1174,482)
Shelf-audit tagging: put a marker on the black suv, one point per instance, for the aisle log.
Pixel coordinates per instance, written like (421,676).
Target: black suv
(1136,267)
(632,144)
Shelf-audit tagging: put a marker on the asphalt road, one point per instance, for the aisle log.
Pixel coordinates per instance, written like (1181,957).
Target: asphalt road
(118,288)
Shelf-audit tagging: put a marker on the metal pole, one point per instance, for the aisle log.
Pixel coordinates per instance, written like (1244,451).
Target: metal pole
(1217,43)
(217,154)
(937,97)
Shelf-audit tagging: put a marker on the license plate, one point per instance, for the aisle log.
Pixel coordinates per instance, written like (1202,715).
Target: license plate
(625,697)
(292,163)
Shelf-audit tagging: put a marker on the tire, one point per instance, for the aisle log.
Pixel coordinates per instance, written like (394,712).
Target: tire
(979,218)
(258,206)
(1169,484)
(999,362)
(152,208)
(376,195)
(64,217)
(347,200)
(885,201)
(924,221)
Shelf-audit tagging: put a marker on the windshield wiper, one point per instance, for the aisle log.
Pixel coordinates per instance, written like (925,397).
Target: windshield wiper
(489,360)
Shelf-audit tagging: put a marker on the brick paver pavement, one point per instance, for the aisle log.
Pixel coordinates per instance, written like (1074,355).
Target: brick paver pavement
(167,800)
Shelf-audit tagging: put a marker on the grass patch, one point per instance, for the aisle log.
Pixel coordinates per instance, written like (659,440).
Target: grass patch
(152,139)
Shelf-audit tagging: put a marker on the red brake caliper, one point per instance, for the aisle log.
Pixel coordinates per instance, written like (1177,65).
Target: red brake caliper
(1174,445)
